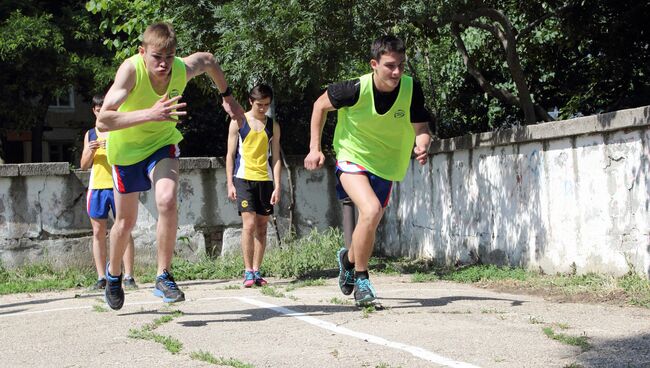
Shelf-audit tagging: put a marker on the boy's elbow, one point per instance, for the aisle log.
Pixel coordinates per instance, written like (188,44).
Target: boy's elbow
(101,125)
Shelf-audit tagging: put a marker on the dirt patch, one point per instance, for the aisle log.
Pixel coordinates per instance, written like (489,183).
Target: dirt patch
(557,294)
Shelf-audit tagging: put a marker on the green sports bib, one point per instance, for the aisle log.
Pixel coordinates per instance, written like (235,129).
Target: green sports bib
(380,143)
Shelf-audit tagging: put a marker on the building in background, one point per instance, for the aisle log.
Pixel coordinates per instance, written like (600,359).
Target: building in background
(67,119)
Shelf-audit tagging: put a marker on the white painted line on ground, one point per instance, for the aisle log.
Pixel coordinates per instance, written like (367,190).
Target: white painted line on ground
(414,350)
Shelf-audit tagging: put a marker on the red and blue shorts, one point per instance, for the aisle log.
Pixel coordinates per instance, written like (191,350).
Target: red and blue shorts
(380,186)
(136,177)
(99,202)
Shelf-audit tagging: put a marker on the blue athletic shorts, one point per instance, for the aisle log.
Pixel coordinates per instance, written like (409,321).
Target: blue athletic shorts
(99,202)
(381,187)
(135,178)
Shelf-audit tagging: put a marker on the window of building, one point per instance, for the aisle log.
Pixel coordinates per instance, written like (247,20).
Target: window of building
(14,152)
(61,151)
(65,101)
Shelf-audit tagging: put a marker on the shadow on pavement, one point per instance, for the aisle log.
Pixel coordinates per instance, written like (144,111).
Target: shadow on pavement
(81,295)
(439,302)
(633,351)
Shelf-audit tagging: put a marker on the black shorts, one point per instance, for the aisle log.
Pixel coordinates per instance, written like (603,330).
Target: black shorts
(254,196)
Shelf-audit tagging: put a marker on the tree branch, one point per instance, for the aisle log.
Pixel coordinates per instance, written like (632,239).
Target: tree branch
(506,36)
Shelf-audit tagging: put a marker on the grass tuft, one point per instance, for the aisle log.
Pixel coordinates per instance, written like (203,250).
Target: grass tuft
(204,356)
(579,341)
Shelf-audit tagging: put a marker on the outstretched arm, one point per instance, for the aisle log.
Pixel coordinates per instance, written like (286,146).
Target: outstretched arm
(233,136)
(204,62)
(422,142)
(322,106)
(276,165)
(110,119)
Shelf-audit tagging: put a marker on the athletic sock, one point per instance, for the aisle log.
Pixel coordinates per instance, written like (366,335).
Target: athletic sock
(361,275)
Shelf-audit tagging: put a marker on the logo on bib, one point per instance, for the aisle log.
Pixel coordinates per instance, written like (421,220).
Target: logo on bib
(399,114)
(174,92)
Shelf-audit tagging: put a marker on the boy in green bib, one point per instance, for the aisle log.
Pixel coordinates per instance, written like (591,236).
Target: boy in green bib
(140,113)
(380,116)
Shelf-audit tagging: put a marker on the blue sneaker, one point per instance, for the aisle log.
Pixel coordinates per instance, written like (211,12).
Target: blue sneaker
(113,293)
(167,289)
(249,278)
(346,277)
(364,293)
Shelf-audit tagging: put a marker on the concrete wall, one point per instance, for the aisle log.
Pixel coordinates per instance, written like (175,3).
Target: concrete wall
(557,196)
(43,215)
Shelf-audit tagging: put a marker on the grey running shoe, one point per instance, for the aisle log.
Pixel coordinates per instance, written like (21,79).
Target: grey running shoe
(346,277)
(167,289)
(364,293)
(129,283)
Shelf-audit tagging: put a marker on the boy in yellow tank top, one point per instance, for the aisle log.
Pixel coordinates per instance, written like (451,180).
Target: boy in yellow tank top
(100,200)
(253,180)
(380,115)
(140,113)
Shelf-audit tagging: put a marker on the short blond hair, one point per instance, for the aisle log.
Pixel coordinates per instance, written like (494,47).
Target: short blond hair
(160,35)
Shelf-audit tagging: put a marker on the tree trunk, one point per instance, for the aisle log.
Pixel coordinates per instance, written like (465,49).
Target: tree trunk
(504,32)
(292,191)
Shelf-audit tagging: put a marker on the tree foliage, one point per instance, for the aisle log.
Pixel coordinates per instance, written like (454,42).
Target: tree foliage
(483,64)
(44,49)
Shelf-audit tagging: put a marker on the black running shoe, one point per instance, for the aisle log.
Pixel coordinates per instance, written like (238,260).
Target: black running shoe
(167,289)
(114,294)
(346,277)
(129,283)
(99,285)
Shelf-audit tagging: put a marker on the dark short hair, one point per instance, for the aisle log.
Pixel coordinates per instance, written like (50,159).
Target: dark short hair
(98,100)
(260,92)
(386,44)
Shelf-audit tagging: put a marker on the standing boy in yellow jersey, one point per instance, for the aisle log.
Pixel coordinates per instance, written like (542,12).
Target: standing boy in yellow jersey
(380,115)
(100,200)
(256,182)
(140,111)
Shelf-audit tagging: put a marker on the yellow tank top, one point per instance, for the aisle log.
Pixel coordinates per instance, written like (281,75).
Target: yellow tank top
(100,174)
(132,145)
(253,152)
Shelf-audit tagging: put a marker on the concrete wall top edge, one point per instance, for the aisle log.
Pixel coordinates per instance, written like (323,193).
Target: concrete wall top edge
(617,120)
(186,163)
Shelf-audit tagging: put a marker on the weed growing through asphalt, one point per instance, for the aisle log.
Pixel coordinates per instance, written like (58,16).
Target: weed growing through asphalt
(232,287)
(339,301)
(491,311)
(271,291)
(367,310)
(147,333)
(205,356)
(580,341)
(453,312)
(305,283)
(535,320)
(99,308)
(424,277)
